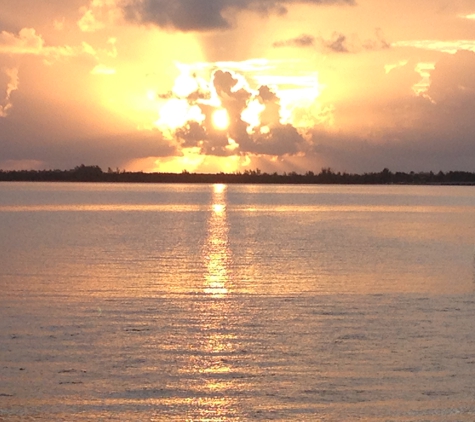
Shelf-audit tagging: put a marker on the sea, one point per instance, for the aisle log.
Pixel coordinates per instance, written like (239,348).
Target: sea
(177,302)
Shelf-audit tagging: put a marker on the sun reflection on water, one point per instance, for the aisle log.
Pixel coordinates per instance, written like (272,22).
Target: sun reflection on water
(216,344)
(216,251)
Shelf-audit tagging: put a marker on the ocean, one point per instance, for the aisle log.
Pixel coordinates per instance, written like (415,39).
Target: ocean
(151,302)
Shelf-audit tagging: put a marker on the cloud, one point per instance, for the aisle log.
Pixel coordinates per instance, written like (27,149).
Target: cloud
(255,120)
(48,152)
(101,69)
(280,140)
(28,42)
(337,43)
(453,82)
(12,85)
(303,40)
(341,43)
(202,15)
(403,132)
(98,15)
(433,131)
(8,165)
(450,47)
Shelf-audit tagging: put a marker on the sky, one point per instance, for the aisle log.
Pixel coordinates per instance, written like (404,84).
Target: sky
(232,85)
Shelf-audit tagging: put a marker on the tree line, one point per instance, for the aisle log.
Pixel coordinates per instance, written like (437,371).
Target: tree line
(93,173)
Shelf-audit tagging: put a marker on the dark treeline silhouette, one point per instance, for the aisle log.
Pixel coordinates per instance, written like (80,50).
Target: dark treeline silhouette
(85,173)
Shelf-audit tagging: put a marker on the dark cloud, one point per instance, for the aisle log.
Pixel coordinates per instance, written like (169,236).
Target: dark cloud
(378,43)
(420,133)
(185,15)
(453,81)
(303,40)
(337,43)
(271,137)
(204,135)
(234,100)
(202,15)
(411,152)
(281,140)
(106,151)
(63,135)
(341,43)
(191,134)
(19,14)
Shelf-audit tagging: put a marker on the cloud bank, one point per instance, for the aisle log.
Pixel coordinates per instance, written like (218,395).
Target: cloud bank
(203,15)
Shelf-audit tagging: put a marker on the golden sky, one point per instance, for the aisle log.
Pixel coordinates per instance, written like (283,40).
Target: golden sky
(229,85)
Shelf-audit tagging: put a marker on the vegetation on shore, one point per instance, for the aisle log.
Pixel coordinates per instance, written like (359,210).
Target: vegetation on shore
(94,173)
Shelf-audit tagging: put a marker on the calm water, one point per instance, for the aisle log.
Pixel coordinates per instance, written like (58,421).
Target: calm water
(227,303)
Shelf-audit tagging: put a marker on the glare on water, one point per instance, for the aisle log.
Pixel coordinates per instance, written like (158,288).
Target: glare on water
(216,251)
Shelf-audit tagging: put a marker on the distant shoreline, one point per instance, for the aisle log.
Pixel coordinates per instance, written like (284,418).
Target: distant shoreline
(326,176)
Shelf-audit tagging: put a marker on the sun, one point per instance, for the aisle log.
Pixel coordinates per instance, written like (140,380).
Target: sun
(220,119)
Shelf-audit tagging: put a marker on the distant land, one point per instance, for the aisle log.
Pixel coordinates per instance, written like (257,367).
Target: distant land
(86,173)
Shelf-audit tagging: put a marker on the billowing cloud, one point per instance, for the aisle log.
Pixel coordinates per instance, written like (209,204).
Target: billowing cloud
(230,118)
(200,15)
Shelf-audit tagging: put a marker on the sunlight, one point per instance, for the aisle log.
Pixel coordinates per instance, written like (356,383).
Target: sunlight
(176,113)
(294,91)
(194,97)
(232,145)
(265,130)
(185,84)
(220,119)
(251,115)
(151,95)
(136,89)
(192,161)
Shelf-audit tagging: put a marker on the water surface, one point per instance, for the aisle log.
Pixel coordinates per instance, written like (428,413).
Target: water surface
(240,302)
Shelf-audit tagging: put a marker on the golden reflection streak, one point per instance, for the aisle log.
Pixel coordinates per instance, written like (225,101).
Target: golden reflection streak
(218,342)
(217,254)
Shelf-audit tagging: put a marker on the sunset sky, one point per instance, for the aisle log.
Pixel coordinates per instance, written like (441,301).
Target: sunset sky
(230,85)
